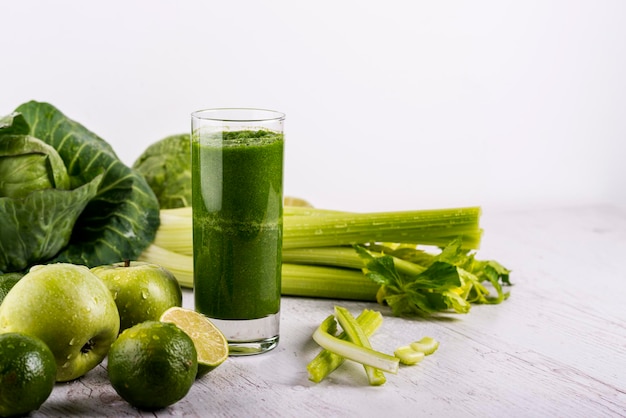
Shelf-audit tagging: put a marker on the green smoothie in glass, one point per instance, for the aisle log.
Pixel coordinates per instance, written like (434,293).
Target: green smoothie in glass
(237,188)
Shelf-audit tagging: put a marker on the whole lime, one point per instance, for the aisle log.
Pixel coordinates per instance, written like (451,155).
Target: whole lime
(27,373)
(152,365)
(142,291)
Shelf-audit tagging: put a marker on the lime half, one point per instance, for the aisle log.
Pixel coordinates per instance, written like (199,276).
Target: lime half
(210,343)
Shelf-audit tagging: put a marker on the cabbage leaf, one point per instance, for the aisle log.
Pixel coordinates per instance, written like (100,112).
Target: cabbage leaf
(35,228)
(28,164)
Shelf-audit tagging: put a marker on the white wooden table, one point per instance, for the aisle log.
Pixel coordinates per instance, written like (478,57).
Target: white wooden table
(556,348)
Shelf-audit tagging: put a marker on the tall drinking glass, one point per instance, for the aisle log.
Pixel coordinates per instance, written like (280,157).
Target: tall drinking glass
(237,202)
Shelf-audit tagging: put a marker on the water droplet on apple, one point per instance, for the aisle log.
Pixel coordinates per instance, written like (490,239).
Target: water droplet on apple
(73,341)
(66,365)
(144,294)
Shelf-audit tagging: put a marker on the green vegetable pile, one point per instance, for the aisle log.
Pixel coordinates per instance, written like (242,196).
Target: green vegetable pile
(65,196)
(419,262)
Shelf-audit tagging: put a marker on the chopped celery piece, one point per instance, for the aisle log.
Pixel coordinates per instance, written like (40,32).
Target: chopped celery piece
(326,362)
(352,351)
(408,356)
(356,334)
(426,345)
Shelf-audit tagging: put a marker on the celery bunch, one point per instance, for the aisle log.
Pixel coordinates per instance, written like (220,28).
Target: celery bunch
(365,256)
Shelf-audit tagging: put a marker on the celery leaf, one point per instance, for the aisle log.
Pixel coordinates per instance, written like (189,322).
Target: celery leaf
(451,281)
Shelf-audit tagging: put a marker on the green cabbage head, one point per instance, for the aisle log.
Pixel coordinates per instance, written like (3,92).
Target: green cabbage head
(38,208)
(166,166)
(65,196)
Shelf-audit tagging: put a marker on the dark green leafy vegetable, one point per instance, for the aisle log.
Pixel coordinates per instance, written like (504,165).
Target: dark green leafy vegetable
(166,166)
(452,279)
(105,213)
(38,208)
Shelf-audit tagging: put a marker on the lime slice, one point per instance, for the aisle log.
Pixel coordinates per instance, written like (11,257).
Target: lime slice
(210,343)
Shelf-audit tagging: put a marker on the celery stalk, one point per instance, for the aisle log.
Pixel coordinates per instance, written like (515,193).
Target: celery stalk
(326,282)
(323,228)
(180,265)
(352,351)
(356,334)
(175,231)
(326,362)
(328,256)
(426,227)
(297,280)
(309,211)
(345,257)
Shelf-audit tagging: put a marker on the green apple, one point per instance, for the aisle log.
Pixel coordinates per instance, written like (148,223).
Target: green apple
(141,290)
(68,308)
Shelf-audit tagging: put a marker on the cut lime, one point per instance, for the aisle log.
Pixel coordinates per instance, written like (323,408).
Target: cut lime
(210,343)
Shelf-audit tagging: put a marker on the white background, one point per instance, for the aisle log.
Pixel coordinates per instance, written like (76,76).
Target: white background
(390,105)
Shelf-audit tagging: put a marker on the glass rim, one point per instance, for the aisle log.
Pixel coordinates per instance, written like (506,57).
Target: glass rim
(228,114)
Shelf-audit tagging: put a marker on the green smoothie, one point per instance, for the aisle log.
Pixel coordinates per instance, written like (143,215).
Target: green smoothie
(237,223)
